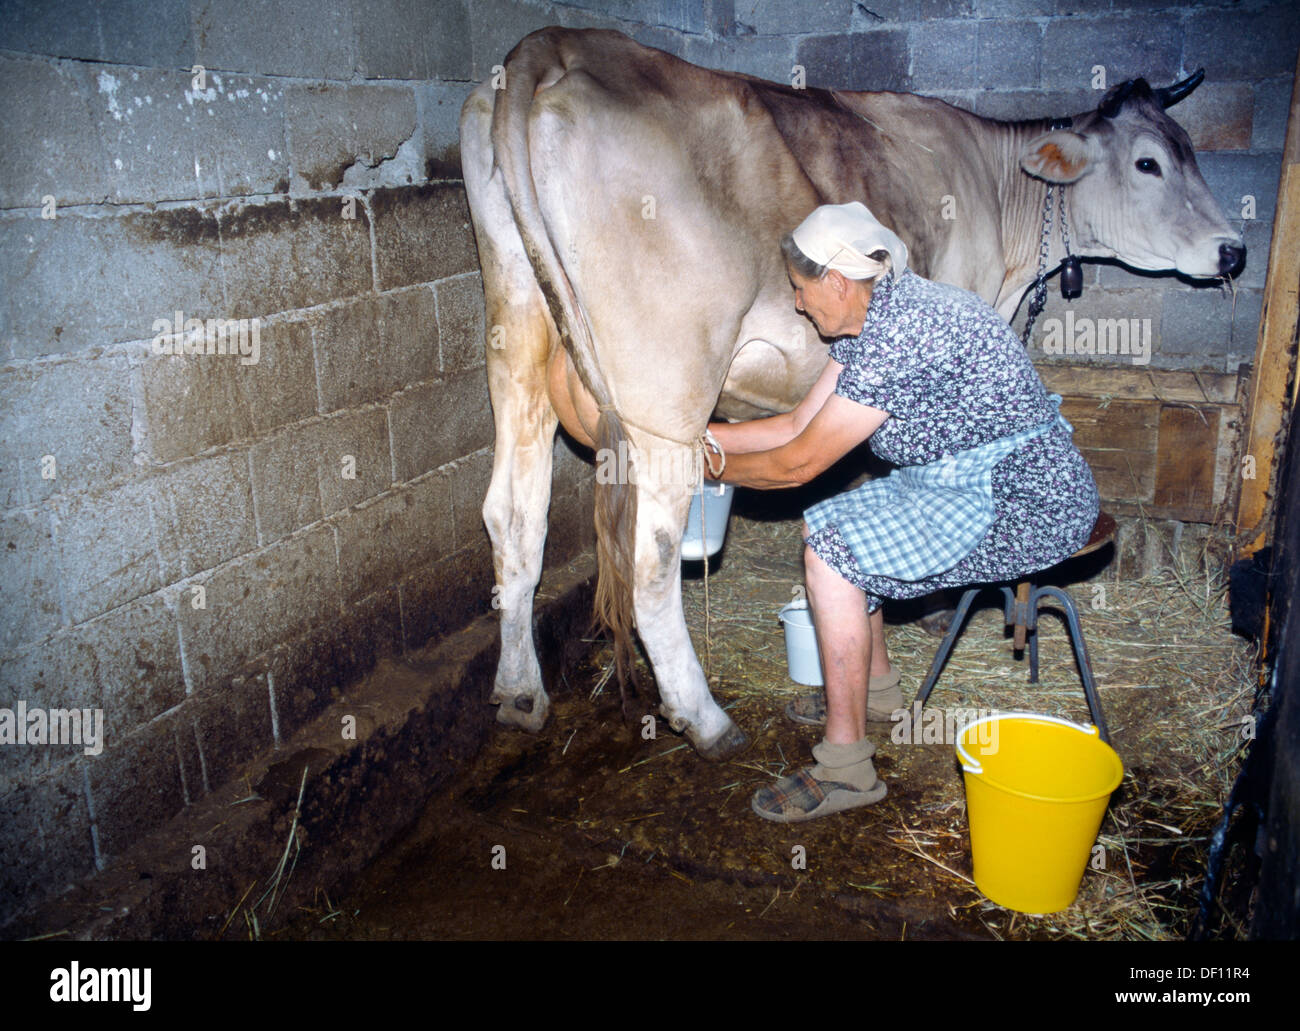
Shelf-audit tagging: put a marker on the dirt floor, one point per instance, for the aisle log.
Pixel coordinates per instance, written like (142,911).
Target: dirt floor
(592,831)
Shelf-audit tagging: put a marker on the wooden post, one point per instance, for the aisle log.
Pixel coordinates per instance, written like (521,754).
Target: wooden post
(1269,402)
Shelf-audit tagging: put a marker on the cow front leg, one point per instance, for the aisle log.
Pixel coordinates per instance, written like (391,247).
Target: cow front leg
(687,703)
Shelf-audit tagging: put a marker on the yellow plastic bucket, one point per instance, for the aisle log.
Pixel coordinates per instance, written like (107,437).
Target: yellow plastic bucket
(1036,791)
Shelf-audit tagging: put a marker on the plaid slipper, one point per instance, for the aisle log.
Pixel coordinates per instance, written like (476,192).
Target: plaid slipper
(884,696)
(801,796)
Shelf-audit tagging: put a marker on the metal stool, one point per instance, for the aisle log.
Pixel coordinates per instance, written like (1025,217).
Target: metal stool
(1022,613)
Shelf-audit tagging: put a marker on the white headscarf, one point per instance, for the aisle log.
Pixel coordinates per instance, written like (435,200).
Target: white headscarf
(842,237)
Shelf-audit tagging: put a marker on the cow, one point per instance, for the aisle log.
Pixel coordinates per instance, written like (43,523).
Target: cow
(628,208)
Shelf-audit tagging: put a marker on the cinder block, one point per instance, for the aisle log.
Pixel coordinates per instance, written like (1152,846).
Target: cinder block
(370,349)
(204,513)
(73,30)
(355,461)
(107,548)
(1232,177)
(409,323)
(794,18)
(45,839)
(75,281)
(187,404)
(286,481)
(497,25)
(229,724)
(30,603)
(350,358)
(1014,8)
(1243,44)
(34,674)
(422,233)
(333,127)
(280,255)
(1063,319)
(406,39)
(944,55)
(135,785)
(280,387)
(1010,54)
(1258,237)
(429,610)
(435,424)
(461,322)
(1021,105)
(255,602)
(70,422)
(469,478)
(147,32)
(440,104)
(165,139)
(383,539)
(668,40)
(928,10)
(768,57)
(1126,47)
(693,15)
(877,60)
(311,40)
(1217,116)
(128,661)
(1207,322)
(50,145)
(1272,109)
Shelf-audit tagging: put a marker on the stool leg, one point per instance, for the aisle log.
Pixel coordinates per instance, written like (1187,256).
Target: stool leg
(1032,634)
(1081,656)
(950,638)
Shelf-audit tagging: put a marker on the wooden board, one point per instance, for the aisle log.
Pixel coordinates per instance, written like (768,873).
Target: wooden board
(1160,443)
(1269,401)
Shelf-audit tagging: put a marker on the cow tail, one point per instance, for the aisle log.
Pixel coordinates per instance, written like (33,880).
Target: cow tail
(538,61)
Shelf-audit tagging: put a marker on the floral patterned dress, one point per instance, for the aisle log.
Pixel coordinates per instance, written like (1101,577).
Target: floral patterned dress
(953,376)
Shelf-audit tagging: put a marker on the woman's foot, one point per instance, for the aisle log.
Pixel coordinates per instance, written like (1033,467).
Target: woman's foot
(884,698)
(844,778)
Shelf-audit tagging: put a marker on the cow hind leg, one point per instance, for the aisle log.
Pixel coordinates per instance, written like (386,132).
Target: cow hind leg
(661,624)
(520,336)
(515,514)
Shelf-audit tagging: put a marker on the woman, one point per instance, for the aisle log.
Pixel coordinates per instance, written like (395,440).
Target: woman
(990,484)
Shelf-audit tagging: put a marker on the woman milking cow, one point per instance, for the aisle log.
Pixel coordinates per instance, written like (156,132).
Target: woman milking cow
(989,484)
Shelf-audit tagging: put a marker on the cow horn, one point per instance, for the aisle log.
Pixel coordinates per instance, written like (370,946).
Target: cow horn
(1171,95)
(1114,100)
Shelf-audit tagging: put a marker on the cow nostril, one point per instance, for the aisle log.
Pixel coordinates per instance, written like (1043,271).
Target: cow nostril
(1231,258)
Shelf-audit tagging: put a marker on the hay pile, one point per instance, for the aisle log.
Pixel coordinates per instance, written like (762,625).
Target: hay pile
(1177,688)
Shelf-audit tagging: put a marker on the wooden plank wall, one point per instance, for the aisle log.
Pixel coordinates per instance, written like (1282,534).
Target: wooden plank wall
(1161,444)
(1275,354)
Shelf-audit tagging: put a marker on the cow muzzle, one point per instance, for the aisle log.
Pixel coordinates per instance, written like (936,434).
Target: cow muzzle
(1231,258)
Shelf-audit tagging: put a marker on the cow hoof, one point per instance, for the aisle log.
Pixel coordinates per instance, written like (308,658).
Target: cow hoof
(523,712)
(937,623)
(730,743)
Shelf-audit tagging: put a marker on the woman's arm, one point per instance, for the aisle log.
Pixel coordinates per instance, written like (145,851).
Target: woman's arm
(773,431)
(839,426)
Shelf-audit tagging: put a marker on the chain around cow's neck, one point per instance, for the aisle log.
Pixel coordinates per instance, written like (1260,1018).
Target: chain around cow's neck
(1039,299)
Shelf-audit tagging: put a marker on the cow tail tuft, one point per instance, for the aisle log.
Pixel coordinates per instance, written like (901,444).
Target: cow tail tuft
(615,552)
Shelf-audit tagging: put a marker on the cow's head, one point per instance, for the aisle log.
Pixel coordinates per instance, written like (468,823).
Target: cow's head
(1138,195)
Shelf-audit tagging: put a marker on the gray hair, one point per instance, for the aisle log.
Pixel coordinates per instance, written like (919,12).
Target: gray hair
(797,261)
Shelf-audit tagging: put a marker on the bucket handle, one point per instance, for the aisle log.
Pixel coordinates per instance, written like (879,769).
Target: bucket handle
(968,762)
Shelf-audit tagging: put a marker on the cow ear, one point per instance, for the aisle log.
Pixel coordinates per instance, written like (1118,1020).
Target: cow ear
(1059,156)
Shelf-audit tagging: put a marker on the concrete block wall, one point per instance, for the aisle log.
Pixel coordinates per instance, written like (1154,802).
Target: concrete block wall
(209,547)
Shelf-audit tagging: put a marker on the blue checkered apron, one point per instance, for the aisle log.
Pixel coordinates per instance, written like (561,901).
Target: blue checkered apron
(921,520)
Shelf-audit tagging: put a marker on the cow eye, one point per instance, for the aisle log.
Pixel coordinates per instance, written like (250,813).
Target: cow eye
(1148,165)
